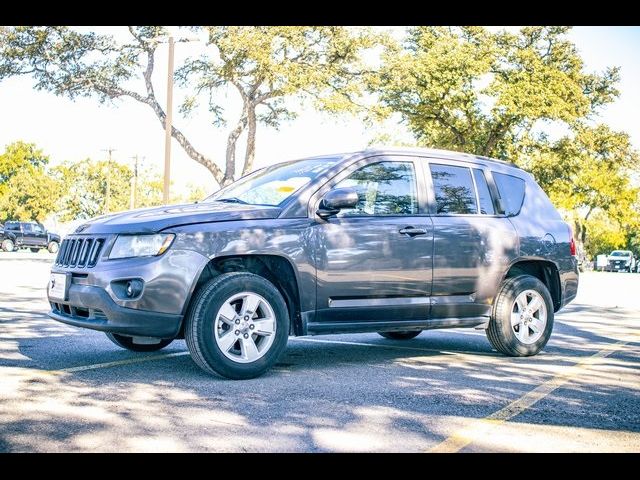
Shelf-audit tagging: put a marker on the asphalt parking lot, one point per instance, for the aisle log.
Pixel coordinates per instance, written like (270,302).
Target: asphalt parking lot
(66,389)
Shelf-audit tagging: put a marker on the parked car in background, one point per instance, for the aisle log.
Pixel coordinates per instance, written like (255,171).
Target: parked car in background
(622,261)
(30,235)
(388,241)
(7,239)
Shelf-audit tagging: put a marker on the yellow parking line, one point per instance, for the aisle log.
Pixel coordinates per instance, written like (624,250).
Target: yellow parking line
(481,427)
(118,363)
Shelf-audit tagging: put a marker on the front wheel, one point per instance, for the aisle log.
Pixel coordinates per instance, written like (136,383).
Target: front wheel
(53,247)
(522,318)
(8,245)
(404,335)
(127,343)
(237,325)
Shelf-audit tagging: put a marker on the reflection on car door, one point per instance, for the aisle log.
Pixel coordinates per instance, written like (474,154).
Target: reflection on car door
(367,268)
(472,244)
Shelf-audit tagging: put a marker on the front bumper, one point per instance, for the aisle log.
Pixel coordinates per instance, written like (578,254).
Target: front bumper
(92,307)
(95,302)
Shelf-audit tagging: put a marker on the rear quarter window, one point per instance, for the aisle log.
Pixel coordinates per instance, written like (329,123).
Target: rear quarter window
(511,191)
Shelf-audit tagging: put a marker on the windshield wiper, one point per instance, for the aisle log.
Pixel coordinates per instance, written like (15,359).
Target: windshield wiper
(232,200)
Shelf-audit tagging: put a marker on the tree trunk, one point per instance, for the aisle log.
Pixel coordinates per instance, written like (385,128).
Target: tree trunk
(232,140)
(251,140)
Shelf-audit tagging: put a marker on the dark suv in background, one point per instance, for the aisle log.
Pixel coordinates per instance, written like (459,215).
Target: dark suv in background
(389,241)
(30,235)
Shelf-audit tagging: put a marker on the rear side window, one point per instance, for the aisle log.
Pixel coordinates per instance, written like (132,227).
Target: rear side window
(511,191)
(12,226)
(454,189)
(486,204)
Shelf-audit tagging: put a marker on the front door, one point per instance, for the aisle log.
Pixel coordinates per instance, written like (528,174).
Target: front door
(374,262)
(30,235)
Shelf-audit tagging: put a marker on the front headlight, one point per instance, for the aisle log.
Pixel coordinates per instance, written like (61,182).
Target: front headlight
(127,246)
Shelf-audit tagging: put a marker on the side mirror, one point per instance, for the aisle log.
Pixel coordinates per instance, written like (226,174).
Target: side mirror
(337,199)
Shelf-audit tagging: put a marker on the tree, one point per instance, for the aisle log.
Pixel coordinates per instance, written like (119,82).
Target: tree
(26,191)
(87,188)
(29,195)
(18,156)
(265,65)
(588,172)
(471,90)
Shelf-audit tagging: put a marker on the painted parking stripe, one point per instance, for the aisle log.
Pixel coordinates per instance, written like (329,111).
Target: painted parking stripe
(482,427)
(117,363)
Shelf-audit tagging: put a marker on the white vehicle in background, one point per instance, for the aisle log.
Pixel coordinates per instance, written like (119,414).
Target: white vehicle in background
(622,261)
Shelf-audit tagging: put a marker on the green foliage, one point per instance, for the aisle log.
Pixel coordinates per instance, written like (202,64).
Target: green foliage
(87,188)
(605,235)
(26,191)
(30,194)
(471,90)
(19,156)
(589,172)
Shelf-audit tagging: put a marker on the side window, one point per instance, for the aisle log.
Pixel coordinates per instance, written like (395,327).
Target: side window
(28,228)
(384,188)
(454,189)
(486,204)
(511,191)
(37,229)
(12,226)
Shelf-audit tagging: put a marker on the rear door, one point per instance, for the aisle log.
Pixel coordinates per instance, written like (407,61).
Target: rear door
(473,244)
(374,262)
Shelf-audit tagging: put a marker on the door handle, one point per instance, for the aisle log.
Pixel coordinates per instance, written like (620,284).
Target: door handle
(412,232)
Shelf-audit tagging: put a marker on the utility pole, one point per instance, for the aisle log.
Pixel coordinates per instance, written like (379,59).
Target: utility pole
(134,184)
(167,126)
(109,150)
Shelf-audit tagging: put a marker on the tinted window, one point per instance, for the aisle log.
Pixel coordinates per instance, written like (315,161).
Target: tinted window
(486,204)
(454,189)
(12,226)
(511,190)
(385,188)
(27,228)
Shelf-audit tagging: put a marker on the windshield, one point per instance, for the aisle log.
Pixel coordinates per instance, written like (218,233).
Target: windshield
(273,185)
(620,253)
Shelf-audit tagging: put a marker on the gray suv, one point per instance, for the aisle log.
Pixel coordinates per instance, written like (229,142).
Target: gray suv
(390,241)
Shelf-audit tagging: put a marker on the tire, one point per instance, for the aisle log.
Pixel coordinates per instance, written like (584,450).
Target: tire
(34,249)
(405,335)
(8,245)
(127,343)
(53,247)
(243,354)
(505,338)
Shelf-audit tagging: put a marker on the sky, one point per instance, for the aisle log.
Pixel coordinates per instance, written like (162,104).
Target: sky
(75,130)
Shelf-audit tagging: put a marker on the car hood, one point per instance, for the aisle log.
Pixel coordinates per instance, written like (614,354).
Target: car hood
(150,220)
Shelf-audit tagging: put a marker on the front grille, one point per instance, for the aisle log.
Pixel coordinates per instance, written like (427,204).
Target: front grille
(79,252)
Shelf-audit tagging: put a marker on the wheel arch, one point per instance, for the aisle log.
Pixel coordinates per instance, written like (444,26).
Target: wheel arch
(278,269)
(544,270)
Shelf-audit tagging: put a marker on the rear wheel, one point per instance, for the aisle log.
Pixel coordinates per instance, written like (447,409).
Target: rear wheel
(34,249)
(522,318)
(237,325)
(53,247)
(404,335)
(128,344)
(8,245)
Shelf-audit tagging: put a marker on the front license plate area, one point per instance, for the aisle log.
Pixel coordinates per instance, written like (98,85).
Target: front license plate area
(59,286)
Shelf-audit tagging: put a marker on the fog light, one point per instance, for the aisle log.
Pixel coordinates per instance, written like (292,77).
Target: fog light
(132,288)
